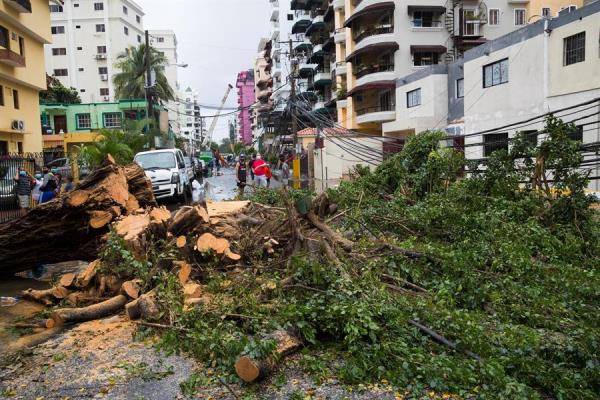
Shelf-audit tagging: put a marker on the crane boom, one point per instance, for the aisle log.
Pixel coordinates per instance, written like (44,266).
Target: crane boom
(213,124)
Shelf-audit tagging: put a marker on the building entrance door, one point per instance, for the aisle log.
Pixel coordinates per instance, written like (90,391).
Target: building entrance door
(60,122)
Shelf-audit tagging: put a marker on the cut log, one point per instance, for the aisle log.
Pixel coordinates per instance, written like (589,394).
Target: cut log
(181,242)
(85,277)
(185,271)
(188,219)
(192,291)
(148,307)
(132,288)
(221,208)
(231,255)
(132,309)
(59,230)
(331,234)
(67,279)
(99,219)
(73,315)
(250,369)
(208,241)
(46,297)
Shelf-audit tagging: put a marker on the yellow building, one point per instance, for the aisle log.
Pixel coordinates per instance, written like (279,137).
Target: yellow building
(24,29)
(537,9)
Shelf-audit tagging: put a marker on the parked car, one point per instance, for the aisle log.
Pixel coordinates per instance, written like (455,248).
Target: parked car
(168,172)
(8,187)
(63,165)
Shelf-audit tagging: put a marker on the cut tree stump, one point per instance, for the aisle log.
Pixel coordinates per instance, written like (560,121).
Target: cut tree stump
(132,288)
(249,369)
(73,315)
(187,220)
(208,241)
(59,230)
(67,279)
(180,242)
(192,291)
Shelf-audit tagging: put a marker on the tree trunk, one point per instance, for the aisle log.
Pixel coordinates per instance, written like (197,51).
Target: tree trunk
(96,311)
(187,220)
(249,369)
(60,230)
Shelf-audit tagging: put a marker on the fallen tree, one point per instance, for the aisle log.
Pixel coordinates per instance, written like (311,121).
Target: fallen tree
(71,226)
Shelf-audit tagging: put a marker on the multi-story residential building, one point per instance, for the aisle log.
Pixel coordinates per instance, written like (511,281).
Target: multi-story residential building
(263,89)
(165,41)
(88,37)
(69,125)
(246,98)
(282,20)
(24,30)
(190,120)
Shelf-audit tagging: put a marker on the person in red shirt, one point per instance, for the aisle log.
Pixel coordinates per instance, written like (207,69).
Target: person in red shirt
(260,168)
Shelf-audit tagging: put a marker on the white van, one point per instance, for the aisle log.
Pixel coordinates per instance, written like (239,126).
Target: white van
(168,173)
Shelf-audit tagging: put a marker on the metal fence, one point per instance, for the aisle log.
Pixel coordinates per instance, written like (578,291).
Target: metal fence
(9,167)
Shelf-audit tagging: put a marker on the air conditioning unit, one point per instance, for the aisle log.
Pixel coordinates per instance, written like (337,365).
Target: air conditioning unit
(106,98)
(104,77)
(18,125)
(100,56)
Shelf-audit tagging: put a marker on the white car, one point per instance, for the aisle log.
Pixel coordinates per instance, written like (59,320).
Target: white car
(168,172)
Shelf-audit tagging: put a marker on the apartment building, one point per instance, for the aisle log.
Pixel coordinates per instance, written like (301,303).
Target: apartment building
(24,30)
(190,120)
(263,81)
(87,38)
(165,42)
(246,98)
(281,21)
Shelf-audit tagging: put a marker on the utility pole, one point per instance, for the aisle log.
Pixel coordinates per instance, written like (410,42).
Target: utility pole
(293,97)
(148,83)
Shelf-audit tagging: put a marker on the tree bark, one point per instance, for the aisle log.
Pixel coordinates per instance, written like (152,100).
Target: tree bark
(96,311)
(60,231)
(249,369)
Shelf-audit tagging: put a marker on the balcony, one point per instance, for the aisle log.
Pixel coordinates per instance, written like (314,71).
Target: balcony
(303,21)
(264,95)
(373,73)
(340,35)
(318,22)
(372,31)
(341,68)
(379,113)
(21,6)
(11,58)
(307,69)
(339,4)
(304,46)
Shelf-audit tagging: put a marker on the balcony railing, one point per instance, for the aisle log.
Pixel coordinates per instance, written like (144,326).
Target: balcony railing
(374,109)
(372,31)
(22,6)
(419,23)
(11,58)
(363,70)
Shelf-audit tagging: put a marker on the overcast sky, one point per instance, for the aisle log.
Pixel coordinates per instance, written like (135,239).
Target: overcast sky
(217,38)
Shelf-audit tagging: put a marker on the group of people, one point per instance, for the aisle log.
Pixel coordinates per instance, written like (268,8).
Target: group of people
(259,172)
(41,187)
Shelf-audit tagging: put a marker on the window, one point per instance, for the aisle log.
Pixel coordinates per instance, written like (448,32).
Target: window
(423,58)
(112,120)
(98,6)
(77,26)
(76,5)
(125,10)
(520,16)
(55,8)
(460,88)
(58,30)
(82,90)
(574,49)
(126,30)
(494,18)
(531,137)
(425,19)
(4,40)
(104,92)
(101,49)
(139,39)
(59,51)
(546,13)
(79,48)
(413,98)
(1,95)
(80,69)
(103,70)
(470,23)
(21,46)
(160,39)
(138,19)
(494,142)
(16,99)
(100,28)
(61,72)
(577,134)
(567,9)
(83,121)
(495,73)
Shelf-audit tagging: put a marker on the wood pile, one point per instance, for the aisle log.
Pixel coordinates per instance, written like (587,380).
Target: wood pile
(221,236)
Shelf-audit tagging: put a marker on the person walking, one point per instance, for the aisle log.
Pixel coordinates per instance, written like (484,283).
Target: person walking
(48,188)
(36,192)
(285,170)
(241,174)
(251,166)
(259,167)
(25,184)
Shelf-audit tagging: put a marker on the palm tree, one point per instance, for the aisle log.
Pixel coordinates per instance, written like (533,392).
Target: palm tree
(130,82)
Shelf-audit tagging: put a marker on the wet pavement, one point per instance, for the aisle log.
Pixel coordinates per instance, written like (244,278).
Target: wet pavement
(224,186)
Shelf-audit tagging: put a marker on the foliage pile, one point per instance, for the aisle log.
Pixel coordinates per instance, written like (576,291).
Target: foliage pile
(500,265)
